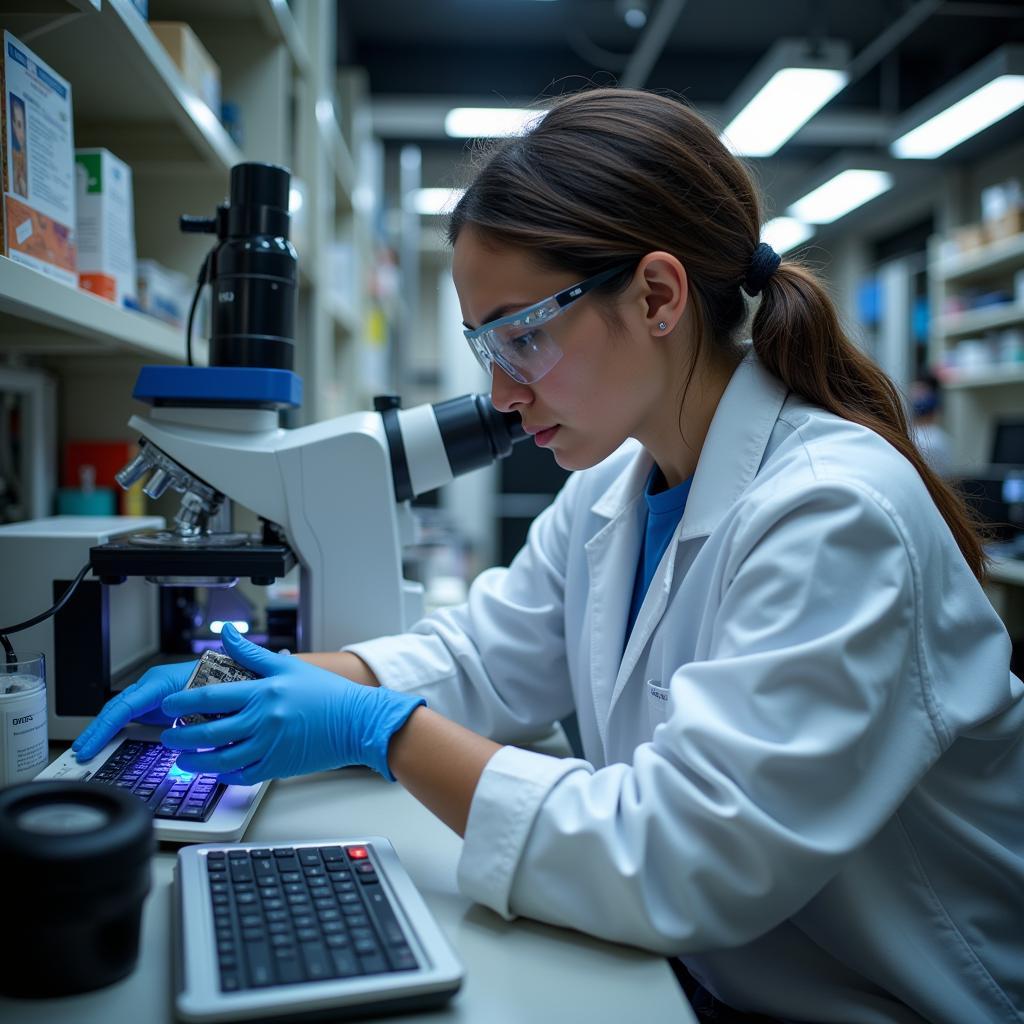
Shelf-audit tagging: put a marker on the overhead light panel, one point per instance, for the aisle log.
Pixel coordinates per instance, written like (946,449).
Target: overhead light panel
(784,91)
(785,233)
(972,102)
(488,122)
(429,202)
(839,195)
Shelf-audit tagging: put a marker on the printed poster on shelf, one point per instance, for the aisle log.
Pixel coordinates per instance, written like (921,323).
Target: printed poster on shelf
(38,153)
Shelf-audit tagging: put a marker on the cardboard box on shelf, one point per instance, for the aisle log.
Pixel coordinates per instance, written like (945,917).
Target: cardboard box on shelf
(106,225)
(197,67)
(1007,225)
(968,237)
(161,292)
(38,158)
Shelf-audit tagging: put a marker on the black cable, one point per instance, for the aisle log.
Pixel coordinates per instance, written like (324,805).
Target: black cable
(201,280)
(41,617)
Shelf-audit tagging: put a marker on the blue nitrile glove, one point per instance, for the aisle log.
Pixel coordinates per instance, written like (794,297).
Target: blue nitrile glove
(297,719)
(139,701)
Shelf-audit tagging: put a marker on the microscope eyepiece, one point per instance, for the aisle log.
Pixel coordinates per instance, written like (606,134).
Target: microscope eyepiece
(475,433)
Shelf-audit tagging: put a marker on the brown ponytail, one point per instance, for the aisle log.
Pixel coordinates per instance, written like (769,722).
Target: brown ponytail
(798,337)
(609,175)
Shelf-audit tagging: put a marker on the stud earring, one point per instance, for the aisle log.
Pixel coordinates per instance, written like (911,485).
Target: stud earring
(662,326)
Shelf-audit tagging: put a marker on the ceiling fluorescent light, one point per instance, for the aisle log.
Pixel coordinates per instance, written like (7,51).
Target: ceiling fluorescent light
(430,202)
(972,102)
(785,233)
(488,122)
(783,92)
(841,194)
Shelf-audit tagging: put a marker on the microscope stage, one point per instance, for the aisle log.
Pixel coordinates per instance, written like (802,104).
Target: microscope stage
(145,555)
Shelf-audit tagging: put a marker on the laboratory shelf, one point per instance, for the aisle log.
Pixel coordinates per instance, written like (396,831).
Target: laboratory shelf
(340,158)
(29,18)
(129,96)
(977,321)
(992,259)
(987,377)
(274,16)
(41,315)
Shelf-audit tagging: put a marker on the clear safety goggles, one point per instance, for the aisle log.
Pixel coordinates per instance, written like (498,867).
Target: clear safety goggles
(519,344)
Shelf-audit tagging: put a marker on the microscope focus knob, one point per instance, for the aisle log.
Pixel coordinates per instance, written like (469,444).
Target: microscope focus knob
(381,403)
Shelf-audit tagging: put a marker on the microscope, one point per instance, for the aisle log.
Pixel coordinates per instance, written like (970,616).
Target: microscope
(332,498)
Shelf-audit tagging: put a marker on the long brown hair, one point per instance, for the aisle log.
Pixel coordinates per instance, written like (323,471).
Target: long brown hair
(609,175)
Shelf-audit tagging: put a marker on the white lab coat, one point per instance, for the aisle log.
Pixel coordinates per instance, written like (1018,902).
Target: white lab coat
(805,775)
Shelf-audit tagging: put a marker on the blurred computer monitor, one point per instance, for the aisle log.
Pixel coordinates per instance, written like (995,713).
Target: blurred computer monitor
(1008,443)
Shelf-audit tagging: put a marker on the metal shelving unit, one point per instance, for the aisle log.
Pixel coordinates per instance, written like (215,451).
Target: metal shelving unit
(976,396)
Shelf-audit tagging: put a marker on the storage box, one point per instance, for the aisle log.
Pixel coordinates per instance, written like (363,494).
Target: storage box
(106,225)
(1007,225)
(94,464)
(162,292)
(197,67)
(38,157)
(970,236)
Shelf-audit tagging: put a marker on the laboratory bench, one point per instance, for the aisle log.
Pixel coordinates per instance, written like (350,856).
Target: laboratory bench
(515,971)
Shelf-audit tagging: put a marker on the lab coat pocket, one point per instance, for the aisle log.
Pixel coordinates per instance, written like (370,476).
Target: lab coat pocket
(657,702)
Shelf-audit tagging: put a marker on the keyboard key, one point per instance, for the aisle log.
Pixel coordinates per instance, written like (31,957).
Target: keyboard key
(373,963)
(289,968)
(309,857)
(317,964)
(261,970)
(345,963)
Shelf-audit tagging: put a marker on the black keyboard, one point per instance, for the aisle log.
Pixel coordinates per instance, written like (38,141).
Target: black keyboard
(147,769)
(284,916)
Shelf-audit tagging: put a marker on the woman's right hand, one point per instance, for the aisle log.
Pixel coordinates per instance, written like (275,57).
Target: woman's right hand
(133,702)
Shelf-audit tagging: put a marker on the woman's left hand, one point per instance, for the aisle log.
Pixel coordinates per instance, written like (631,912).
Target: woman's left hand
(297,719)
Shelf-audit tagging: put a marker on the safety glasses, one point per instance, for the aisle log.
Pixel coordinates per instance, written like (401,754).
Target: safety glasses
(519,343)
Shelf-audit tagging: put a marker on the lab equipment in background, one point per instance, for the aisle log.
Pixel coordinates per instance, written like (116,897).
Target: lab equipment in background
(86,499)
(85,657)
(99,461)
(28,441)
(380,949)
(105,225)
(38,152)
(77,866)
(23,751)
(995,492)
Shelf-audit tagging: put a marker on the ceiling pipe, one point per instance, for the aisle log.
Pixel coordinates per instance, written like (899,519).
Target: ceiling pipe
(651,43)
(880,48)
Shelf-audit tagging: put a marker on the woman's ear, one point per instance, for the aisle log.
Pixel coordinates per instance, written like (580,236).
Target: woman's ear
(664,291)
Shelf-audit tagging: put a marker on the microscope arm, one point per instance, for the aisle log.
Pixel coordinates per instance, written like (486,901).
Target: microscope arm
(338,489)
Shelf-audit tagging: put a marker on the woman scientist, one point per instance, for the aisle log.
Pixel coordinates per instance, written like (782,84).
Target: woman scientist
(804,770)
